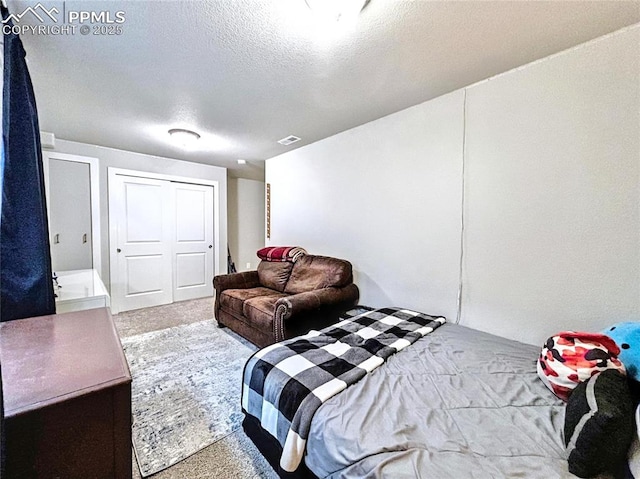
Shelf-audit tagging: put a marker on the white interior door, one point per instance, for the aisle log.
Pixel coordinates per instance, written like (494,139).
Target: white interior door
(143,213)
(193,248)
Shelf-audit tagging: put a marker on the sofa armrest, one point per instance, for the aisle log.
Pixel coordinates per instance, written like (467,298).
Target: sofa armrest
(244,280)
(309,301)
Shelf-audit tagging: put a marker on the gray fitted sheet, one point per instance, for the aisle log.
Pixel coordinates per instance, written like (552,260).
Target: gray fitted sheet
(458,403)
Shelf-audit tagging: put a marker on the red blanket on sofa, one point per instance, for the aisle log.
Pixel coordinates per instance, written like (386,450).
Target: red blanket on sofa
(281,253)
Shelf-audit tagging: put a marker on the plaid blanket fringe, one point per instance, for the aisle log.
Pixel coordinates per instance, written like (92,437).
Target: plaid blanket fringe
(285,383)
(281,253)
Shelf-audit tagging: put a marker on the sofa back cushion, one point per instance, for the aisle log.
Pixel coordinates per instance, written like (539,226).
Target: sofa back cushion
(316,272)
(274,275)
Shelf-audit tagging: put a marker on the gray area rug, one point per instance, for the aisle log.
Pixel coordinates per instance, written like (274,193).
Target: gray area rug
(185,391)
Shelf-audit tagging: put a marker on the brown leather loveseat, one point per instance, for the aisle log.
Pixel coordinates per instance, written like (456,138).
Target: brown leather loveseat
(283,299)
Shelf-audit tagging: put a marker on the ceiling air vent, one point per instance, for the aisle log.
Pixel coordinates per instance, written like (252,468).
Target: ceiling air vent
(288,140)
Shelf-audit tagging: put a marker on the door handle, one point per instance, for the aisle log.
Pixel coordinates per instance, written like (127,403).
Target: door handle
(119,250)
(210,246)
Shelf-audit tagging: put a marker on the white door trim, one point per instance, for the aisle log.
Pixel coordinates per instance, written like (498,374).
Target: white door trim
(113,261)
(47,156)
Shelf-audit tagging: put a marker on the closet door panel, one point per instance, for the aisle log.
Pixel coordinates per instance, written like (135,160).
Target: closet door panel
(193,253)
(144,226)
(162,241)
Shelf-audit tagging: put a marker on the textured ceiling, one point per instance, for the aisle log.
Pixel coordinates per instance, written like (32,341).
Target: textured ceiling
(246,73)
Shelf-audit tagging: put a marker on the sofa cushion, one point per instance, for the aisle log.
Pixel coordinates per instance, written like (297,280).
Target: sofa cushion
(233,299)
(317,272)
(274,275)
(260,311)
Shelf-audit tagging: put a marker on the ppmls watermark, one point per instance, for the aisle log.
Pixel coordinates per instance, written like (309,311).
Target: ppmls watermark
(63,21)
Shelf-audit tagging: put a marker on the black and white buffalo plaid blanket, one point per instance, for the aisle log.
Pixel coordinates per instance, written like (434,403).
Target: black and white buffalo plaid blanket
(285,383)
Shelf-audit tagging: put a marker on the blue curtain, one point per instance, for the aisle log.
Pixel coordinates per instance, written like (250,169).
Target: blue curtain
(26,288)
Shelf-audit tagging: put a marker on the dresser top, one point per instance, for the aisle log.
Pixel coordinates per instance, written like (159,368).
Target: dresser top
(50,359)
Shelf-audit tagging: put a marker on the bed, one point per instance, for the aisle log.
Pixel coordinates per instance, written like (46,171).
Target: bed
(456,403)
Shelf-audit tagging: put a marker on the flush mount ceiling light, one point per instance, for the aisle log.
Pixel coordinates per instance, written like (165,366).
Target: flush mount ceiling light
(336,10)
(184,138)
(242,162)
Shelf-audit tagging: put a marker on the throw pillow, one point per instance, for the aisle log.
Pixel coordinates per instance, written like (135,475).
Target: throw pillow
(634,450)
(571,357)
(599,424)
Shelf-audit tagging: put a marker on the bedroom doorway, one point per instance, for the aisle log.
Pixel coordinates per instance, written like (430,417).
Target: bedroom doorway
(161,240)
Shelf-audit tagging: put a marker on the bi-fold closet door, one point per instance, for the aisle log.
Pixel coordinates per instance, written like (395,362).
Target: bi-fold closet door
(164,241)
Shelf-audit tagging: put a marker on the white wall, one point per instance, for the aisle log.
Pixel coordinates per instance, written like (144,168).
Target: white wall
(552,222)
(553,193)
(110,157)
(385,196)
(246,221)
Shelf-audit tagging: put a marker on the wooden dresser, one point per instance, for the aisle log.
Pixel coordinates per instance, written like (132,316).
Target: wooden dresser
(67,397)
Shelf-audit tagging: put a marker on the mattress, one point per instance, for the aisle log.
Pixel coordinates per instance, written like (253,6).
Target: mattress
(458,403)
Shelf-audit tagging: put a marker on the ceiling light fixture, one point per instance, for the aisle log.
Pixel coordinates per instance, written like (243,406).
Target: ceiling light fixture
(184,138)
(337,10)
(242,162)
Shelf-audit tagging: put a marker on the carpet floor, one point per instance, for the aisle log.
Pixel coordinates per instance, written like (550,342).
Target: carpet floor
(146,336)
